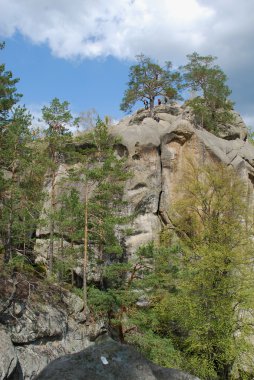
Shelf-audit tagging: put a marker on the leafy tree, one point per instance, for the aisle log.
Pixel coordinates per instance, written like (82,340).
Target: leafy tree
(202,299)
(213,106)
(58,117)
(148,80)
(198,292)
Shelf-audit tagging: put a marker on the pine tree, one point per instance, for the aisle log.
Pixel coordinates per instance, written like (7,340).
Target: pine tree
(20,186)
(58,118)
(69,221)
(103,175)
(212,106)
(148,80)
(8,94)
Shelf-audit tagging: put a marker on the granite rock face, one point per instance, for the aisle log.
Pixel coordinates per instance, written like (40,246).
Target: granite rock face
(159,149)
(109,361)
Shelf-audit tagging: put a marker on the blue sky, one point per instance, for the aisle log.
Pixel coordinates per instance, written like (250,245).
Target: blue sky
(91,83)
(81,51)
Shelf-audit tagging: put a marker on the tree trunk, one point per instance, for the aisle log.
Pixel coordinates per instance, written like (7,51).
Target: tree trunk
(85,252)
(8,243)
(52,224)
(72,271)
(151,104)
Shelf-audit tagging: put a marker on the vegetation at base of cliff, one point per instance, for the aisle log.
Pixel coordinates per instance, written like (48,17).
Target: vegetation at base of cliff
(199,292)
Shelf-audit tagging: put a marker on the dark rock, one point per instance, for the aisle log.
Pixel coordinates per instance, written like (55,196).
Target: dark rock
(109,361)
(8,357)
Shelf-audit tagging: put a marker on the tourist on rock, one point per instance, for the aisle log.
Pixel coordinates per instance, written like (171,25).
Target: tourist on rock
(146,104)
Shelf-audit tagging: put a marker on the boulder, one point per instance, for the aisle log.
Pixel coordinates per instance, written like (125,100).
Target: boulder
(109,361)
(235,130)
(8,356)
(35,333)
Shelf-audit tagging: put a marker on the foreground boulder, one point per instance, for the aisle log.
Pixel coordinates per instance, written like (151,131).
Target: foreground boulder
(109,361)
(8,357)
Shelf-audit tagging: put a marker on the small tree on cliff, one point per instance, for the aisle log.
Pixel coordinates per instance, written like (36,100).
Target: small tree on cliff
(58,118)
(213,106)
(103,175)
(148,80)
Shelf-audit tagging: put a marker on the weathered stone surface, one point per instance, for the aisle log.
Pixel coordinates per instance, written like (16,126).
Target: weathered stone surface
(34,357)
(45,321)
(158,154)
(8,356)
(43,332)
(235,130)
(109,361)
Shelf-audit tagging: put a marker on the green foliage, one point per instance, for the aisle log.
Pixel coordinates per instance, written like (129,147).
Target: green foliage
(197,294)
(58,117)
(200,291)
(213,106)
(20,263)
(250,135)
(155,348)
(104,175)
(8,93)
(21,177)
(148,80)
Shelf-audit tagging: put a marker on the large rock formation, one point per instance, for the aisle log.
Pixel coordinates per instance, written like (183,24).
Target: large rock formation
(109,361)
(158,150)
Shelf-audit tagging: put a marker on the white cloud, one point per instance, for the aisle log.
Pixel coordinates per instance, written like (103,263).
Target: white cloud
(168,29)
(98,28)
(164,30)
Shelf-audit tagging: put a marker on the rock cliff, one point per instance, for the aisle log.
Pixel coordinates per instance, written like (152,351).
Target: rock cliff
(158,150)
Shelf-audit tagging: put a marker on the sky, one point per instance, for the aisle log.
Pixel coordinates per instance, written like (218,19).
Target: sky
(81,50)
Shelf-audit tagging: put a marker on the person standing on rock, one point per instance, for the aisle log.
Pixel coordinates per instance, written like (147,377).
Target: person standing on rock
(146,104)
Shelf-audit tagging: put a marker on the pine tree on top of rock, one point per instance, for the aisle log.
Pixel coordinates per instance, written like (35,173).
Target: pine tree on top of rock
(212,106)
(147,80)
